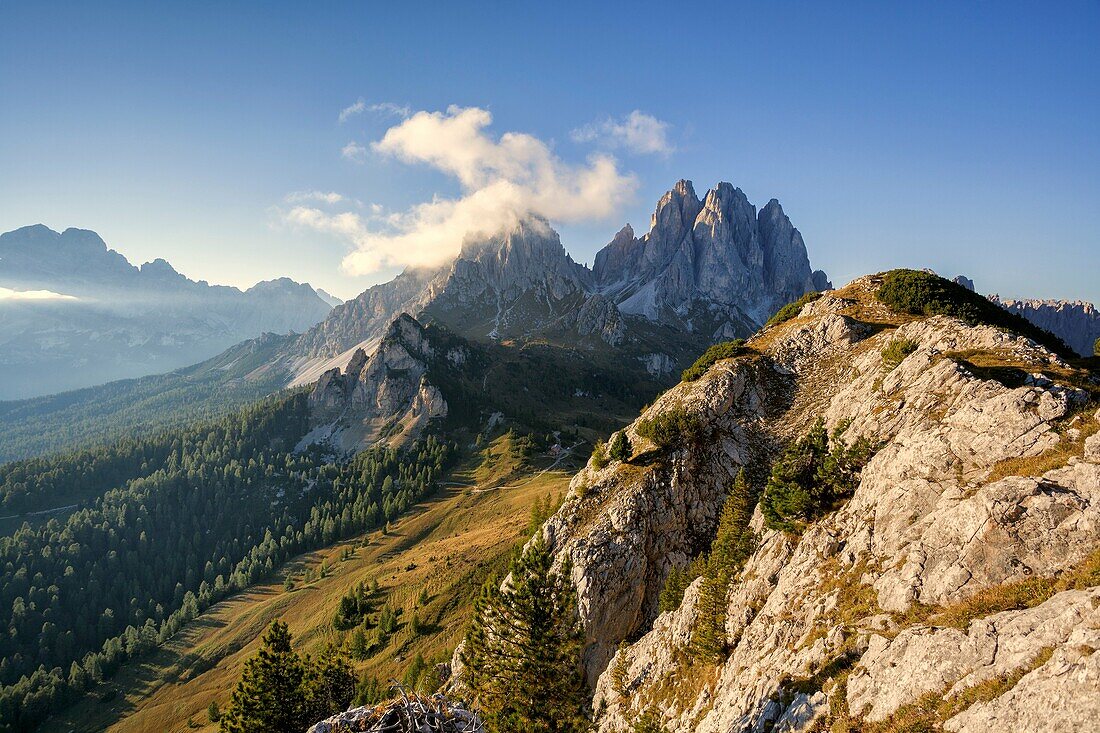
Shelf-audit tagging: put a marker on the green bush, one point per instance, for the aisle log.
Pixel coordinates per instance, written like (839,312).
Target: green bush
(791,310)
(649,722)
(620,448)
(1096,348)
(713,355)
(896,351)
(813,477)
(673,428)
(925,294)
(599,455)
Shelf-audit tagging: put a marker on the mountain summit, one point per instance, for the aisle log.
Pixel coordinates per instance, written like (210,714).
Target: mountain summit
(707,270)
(701,254)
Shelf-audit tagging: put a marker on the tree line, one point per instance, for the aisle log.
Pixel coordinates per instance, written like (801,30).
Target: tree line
(194,515)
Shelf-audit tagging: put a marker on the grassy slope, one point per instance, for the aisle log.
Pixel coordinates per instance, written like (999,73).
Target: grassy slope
(446,544)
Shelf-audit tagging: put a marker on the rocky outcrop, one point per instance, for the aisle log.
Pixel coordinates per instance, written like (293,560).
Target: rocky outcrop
(922,659)
(387,396)
(964,281)
(982,482)
(1075,322)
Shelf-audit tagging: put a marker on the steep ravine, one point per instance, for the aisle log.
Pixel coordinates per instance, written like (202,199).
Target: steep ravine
(985,483)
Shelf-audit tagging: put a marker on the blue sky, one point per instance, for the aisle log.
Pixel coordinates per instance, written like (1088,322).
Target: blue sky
(920,134)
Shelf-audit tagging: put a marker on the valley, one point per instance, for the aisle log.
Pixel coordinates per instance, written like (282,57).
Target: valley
(446,545)
(549,368)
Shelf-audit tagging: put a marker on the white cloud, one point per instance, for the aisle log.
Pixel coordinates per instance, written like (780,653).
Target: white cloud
(7,295)
(324,197)
(354,151)
(351,110)
(361,106)
(503,180)
(397,110)
(638,132)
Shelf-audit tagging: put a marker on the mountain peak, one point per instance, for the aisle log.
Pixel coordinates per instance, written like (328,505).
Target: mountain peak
(160,268)
(715,251)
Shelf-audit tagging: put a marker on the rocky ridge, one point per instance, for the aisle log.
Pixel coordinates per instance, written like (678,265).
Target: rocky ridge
(985,489)
(718,253)
(1075,322)
(387,395)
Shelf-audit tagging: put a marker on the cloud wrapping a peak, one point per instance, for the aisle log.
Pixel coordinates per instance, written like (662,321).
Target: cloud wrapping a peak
(637,132)
(503,180)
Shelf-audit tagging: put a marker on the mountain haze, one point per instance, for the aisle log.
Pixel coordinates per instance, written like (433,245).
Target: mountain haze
(107,319)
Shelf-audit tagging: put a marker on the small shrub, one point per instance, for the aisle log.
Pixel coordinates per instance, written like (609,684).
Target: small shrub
(896,351)
(599,455)
(649,722)
(812,477)
(620,448)
(791,310)
(673,428)
(713,355)
(1096,348)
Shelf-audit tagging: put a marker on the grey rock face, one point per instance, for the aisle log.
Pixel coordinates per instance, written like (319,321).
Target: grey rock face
(713,267)
(715,251)
(1075,322)
(964,281)
(387,396)
(945,510)
(923,659)
(1061,696)
(513,285)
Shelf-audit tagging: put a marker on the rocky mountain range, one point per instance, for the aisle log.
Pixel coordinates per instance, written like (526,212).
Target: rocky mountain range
(1076,322)
(956,587)
(705,271)
(100,318)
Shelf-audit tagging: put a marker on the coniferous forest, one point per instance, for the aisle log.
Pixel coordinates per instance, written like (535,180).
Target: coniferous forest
(166,527)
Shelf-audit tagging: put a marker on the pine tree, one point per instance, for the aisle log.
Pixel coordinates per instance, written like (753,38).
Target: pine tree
(269,697)
(358,644)
(733,543)
(620,448)
(328,686)
(523,649)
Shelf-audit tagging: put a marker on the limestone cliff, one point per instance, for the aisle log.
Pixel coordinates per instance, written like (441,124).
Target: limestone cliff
(965,561)
(387,396)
